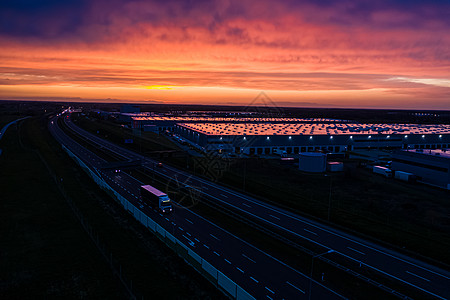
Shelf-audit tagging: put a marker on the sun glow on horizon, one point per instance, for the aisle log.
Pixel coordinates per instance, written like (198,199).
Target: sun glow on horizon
(160,87)
(218,54)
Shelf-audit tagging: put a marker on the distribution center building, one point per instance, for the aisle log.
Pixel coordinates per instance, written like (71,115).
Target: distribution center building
(264,138)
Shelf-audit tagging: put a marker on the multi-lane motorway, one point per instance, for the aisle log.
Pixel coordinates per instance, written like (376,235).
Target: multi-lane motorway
(431,280)
(249,267)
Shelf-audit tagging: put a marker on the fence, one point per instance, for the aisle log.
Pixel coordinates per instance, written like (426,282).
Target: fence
(219,279)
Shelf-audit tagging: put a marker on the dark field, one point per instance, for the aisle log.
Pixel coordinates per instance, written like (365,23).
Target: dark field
(46,253)
(411,217)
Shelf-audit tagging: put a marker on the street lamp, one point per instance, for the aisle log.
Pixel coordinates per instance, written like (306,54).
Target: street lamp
(312,266)
(329,197)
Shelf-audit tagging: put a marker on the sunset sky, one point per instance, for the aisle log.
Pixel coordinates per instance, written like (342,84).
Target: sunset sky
(363,54)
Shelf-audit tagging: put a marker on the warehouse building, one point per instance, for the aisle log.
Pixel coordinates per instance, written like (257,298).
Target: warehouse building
(265,138)
(430,166)
(169,122)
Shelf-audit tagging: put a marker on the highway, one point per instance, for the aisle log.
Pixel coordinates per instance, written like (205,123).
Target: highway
(245,264)
(429,279)
(424,277)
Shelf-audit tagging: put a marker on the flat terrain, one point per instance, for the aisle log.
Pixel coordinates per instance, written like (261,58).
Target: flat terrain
(46,253)
(412,217)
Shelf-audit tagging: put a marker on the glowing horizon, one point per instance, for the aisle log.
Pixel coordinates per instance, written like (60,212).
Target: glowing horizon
(338,54)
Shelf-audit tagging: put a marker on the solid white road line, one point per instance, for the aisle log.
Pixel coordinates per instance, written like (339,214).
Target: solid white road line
(418,276)
(309,231)
(350,248)
(297,288)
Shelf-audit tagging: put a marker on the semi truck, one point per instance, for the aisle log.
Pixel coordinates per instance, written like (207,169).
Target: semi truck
(156,199)
(405,176)
(382,171)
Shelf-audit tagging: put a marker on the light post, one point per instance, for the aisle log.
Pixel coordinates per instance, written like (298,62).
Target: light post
(329,197)
(245,169)
(312,266)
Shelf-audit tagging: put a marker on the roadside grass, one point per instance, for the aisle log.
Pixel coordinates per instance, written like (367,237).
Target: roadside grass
(394,212)
(6,119)
(155,271)
(44,251)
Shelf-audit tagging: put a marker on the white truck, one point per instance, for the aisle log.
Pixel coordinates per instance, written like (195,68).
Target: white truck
(155,198)
(386,172)
(280,152)
(405,176)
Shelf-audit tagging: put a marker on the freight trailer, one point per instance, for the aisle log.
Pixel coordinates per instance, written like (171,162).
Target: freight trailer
(335,166)
(386,172)
(405,176)
(155,198)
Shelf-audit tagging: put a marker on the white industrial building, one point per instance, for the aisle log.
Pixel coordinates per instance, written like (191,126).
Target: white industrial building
(264,138)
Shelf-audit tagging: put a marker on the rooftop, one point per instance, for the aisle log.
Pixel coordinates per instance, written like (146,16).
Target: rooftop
(433,152)
(137,117)
(315,128)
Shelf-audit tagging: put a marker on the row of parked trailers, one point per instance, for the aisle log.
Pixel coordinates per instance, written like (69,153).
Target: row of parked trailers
(386,172)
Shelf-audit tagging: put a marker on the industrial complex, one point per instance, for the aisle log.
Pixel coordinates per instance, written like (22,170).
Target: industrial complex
(418,149)
(264,135)
(264,138)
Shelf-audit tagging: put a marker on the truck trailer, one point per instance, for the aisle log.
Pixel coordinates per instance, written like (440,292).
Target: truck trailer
(405,176)
(156,199)
(382,171)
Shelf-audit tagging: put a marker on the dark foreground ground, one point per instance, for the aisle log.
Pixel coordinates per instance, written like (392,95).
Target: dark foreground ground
(45,252)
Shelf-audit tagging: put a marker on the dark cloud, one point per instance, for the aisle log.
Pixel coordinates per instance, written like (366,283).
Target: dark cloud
(63,19)
(41,18)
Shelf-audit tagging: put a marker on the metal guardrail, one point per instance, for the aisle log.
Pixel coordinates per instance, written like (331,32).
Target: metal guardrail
(219,279)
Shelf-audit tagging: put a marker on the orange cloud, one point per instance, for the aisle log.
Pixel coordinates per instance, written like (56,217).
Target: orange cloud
(297,53)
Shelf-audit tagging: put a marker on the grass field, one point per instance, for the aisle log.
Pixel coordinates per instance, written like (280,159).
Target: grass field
(45,252)
(414,217)
(6,118)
